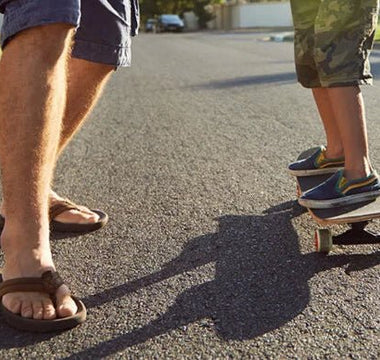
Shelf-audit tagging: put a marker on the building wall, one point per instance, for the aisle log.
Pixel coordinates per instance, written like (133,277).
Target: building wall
(257,15)
(252,15)
(190,20)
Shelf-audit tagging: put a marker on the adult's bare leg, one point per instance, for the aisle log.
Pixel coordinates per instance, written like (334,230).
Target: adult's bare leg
(85,84)
(33,72)
(86,80)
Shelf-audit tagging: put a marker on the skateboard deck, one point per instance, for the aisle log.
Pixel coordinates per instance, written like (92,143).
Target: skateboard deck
(356,215)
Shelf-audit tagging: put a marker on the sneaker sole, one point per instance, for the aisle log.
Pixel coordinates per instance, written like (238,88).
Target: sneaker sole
(348,200)
(314,172)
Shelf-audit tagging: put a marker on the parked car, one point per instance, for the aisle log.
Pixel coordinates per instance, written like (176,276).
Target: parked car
(150,25)
(169,22)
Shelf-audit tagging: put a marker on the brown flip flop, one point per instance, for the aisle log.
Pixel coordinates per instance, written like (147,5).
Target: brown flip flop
(58,226)
(48,283)
(66,205)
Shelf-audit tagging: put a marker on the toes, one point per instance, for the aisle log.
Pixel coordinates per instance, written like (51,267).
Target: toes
(80,216)
(27,309)
(33,306)
(92,217)
(39,306)
(38,310)
(66,306)
(12,304)
(87,215)
(49,310)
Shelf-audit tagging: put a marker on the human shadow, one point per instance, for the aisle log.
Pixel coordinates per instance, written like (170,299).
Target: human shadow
(11,338)
(282,78)
(261,280)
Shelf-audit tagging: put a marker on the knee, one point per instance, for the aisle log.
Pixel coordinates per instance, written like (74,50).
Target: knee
(98,71)
(47,42)
(103,70)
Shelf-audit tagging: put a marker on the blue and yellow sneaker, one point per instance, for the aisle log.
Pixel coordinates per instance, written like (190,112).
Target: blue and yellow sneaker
(316,164)
(338,191)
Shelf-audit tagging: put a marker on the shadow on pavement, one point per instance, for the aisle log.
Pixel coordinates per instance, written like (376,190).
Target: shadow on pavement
(261,280)
(261,283)
(11,338)
(250,81)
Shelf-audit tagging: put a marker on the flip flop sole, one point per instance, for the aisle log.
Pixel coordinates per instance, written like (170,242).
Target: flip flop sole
(58,226)
(18,322)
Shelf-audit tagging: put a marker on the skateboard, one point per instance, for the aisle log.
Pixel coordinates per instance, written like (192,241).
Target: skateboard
(357,216)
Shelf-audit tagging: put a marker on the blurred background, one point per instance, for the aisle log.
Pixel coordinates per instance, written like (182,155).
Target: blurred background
(215,14)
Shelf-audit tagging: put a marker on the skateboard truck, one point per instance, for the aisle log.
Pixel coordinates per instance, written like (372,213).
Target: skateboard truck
(358,234)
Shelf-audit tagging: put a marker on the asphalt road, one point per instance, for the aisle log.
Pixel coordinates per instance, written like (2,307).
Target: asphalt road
(207,255)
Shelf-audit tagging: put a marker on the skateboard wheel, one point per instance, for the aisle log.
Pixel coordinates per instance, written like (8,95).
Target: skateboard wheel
(323,240)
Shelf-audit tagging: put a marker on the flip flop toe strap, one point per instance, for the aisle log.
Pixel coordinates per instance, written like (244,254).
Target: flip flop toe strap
(61,207)
(48,283)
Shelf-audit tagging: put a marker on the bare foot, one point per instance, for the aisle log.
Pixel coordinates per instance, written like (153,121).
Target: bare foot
(82,216)
(23,261)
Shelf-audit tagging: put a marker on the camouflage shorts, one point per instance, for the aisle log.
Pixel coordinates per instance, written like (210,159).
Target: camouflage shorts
(333,39)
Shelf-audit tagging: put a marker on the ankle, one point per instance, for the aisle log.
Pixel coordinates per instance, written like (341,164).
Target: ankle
(357,168)
(334,152)
(26,262)
(16,238)
(354,174)
(25,255)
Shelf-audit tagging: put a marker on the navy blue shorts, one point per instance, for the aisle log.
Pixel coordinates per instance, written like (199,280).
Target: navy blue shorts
(103,27)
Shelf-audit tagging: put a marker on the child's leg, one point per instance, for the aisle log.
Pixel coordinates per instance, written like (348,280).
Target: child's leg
(344,32)
(350,119)
(345,127)
(323,160)
(334,147)
(305,14)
